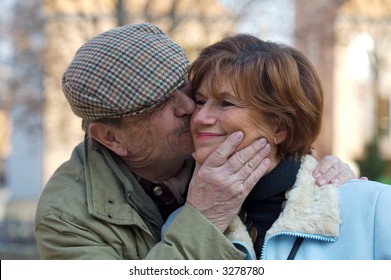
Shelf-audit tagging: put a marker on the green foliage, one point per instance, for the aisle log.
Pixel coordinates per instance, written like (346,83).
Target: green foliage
(384,180)
(372,165)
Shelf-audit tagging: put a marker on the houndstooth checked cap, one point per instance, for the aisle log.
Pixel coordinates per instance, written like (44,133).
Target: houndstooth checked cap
(124,71)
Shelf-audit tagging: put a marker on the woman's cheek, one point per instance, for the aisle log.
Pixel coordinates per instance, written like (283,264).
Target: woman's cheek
(250,135)
(201,154)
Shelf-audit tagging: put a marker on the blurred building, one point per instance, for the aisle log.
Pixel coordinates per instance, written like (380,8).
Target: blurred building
(362,80)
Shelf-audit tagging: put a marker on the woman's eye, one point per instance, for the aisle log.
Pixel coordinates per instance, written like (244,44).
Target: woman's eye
(227,104)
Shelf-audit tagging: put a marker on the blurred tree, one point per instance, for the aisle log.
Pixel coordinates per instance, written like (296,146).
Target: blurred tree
(24,96)
(24,84)
(371,164)
(121,12)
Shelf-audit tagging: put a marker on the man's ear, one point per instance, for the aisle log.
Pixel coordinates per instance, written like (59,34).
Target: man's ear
(280,133)
(106,135)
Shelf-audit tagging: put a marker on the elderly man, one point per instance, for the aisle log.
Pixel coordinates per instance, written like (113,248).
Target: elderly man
(134,167)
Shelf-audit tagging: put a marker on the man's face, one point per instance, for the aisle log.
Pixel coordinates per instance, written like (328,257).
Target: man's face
(162,138)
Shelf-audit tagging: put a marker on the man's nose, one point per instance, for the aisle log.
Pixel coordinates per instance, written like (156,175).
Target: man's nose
(184,105)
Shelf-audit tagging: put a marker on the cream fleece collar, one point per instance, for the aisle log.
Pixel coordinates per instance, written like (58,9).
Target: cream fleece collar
(309,209)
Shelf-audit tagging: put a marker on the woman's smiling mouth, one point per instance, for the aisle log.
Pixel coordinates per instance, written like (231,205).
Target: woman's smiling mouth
(208,135)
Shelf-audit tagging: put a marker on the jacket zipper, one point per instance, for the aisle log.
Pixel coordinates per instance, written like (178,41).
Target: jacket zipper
(298,235)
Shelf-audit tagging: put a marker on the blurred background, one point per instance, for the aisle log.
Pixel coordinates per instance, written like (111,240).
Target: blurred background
(349,41)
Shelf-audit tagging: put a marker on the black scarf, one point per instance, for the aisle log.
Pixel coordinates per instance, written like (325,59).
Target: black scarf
(263,204)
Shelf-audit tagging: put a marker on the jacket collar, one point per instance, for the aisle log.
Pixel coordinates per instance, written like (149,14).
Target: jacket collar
(116,197)
(309,209)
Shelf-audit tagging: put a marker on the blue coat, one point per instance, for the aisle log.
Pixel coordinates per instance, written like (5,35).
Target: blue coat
(345,223)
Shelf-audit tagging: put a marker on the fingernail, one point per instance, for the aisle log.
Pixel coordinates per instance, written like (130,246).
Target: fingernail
(268,147)
(262,141)
(317,174)
(322,182)
(335,181)
(238,135)
(266,161)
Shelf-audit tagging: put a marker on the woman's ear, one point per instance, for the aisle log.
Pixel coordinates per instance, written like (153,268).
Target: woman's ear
(106,135)
(280,133)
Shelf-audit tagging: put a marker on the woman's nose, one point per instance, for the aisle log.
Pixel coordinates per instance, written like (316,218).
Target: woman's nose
(203,116)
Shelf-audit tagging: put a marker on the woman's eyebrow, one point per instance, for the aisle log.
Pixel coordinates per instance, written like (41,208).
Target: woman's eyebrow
(225,94)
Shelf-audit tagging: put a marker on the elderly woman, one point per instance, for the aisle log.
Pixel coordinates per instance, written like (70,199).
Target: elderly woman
(270,90)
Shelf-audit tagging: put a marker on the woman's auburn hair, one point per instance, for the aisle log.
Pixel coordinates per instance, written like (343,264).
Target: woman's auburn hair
(275,78)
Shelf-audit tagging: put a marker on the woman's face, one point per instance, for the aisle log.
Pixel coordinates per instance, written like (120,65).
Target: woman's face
(217,116)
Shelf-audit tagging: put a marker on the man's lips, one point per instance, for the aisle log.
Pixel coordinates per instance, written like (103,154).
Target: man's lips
(186,126)
(184,130)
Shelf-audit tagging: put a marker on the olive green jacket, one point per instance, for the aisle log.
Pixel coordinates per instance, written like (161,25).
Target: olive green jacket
(93,208)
